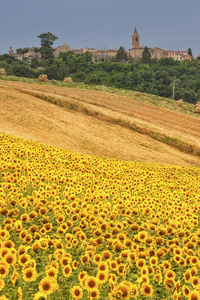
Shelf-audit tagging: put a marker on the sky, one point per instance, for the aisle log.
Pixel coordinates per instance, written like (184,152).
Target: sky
(169,25)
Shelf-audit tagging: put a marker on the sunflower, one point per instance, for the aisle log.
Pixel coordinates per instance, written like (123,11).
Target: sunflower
(193,271)
(142,236)
(134,290)
(102,266)
(132,256)
(113,265)
(150,270)
(187,276)
(33,229)
(106,254)
(50,271)
(195,261)
(19,293)
(170,274)
(75,265)
(102,277)
(91,283)
(158,278)
(3,297)
(48,285)
(124,254)
(2,284)
(195,282)
(153,261)
(85,259)
(23,259)
(122,291)
(194,295)
(186,291)
(95,294)
(28,239)
(67,270)
(24,218)
(97,259)
(147,290)
(39,296)
(122,270)
(30,274)
(8,244)
(65,261)
(32,215)
(23,234)
(77,292)
(3,269)
(15,276)
(140,263)
(127,243)
(169,283)
(145,271)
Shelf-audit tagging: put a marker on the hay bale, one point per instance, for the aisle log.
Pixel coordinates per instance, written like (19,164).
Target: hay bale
(67,79)
(198,104)
(180,102)
(197,109)
(53,81)
(3,72)
(136,94)
(43,78)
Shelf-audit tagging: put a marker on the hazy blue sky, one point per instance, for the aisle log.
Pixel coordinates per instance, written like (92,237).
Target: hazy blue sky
(172,24)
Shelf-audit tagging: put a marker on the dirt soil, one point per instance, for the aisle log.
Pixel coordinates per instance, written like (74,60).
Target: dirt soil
(29,117)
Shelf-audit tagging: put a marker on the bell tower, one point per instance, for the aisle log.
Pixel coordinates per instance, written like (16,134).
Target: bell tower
(135,39)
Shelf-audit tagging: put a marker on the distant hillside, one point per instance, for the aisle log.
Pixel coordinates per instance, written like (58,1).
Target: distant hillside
(106,124)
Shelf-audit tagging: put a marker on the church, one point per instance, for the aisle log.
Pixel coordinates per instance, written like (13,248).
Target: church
(137,50)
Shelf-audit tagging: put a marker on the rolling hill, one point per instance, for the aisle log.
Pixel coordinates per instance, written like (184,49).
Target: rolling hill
(99,123)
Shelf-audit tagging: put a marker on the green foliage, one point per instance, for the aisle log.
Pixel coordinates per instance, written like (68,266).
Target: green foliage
(121,54)
(47,53)
(155,77)
(46,50)
(146,56)
(34,63)
(47,39)
(22,50)
(190,51)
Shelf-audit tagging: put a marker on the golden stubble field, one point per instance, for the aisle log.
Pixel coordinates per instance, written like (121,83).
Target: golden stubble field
(92,122)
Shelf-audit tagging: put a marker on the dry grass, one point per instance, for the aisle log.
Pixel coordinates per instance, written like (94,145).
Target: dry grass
(99,123)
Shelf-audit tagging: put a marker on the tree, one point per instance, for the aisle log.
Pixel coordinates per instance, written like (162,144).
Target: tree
(121,54)
(46,50)
(146,56)
(36,49)
(22,50)
(47,39)
(189,51)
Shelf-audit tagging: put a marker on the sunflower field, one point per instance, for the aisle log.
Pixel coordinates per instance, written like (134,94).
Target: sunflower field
(74,226)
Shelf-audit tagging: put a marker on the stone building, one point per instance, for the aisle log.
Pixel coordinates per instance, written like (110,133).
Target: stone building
(28,56)
(136,50)
(61,49)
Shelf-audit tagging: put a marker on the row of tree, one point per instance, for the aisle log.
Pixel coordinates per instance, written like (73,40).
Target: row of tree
(148,75)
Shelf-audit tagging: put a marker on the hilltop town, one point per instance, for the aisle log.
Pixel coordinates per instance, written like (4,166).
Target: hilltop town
(135,52)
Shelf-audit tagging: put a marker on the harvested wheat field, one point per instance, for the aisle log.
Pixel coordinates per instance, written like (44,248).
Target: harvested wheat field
(99,123)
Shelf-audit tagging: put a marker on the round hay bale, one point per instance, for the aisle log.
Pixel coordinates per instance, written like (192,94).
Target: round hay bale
(180,102)
(3,72)
(43,78)
(53,81)
(197,109)
(198,104)
(136,94)
(67,79)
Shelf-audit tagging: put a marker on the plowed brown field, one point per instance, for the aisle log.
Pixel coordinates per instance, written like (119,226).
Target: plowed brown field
(96,123)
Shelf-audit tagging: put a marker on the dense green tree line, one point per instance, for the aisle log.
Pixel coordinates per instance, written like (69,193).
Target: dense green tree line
(155,77)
